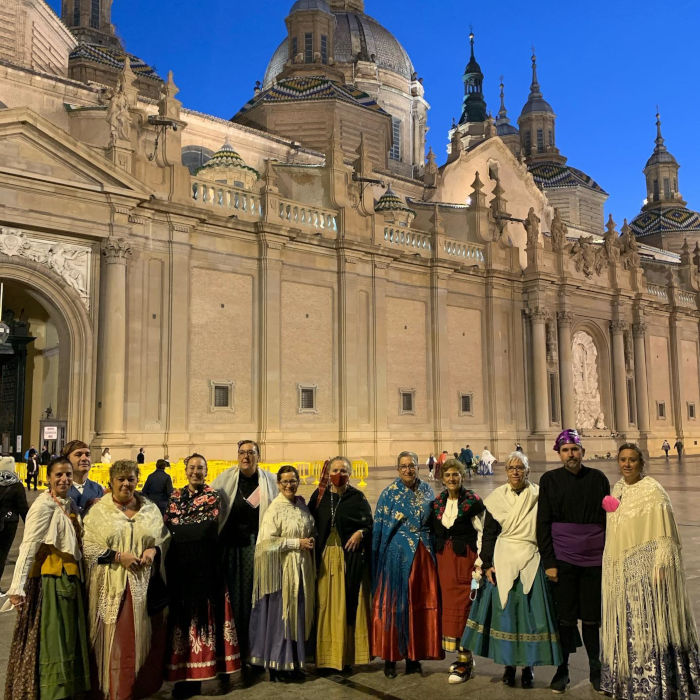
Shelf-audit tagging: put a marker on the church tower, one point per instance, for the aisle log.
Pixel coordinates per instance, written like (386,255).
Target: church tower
(508,133)
(474,105)
(536,122)
(661,172)
(90,21)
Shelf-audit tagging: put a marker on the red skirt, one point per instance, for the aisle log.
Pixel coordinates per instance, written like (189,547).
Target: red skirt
(199,655)
(423,620)
(455,574)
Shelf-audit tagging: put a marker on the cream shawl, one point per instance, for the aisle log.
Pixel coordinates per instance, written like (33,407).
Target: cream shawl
(107,527)
(643,580)
(280,564)
(516,552)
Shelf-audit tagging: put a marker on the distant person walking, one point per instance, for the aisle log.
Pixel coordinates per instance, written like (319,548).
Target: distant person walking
(106,457)
(141,456)
(159,485)
(678,446)
(431,466)
(666,447)
(32,469)
(442,458)
(486,463)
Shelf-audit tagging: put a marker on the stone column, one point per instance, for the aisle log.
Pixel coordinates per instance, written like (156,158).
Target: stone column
(113,338)
(620,376)
(538,319)
(640,376)
(566,373)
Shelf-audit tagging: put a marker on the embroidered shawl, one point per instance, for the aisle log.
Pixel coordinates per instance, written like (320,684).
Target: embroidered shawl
(400,524)
(227,485)
(643,579)
(281,565)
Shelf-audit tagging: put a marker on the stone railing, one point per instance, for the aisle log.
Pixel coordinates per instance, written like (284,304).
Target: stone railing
(469,253)
(244,204)
(306,217)
(405,238)
(658,291)
(686,299)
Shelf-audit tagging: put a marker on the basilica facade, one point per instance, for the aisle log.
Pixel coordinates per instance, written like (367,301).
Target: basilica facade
(306,275)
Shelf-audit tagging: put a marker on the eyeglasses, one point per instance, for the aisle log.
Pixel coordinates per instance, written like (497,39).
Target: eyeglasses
(406,467)
(246,453)
(294,482)
(521,468)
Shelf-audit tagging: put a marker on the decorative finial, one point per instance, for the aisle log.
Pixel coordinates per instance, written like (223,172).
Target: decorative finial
(659,137)
(534,86)
(502,111)
(471,40)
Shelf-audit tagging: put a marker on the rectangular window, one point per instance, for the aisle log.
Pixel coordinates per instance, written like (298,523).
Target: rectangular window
(631,403)
(661,410)
(466,404)
(540,141)
(395,152)
(528,142)
(553,397)
(324,48)
(220,396)
(550,138)
(667,188)
(407,401)
(691,411)
(656,191)
(295,48)
(307,398)
(308,47)
(95,14)
(76,13)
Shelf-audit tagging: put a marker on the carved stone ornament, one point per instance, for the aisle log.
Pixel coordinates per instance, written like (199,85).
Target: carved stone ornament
(558,232)
(589,414)
(70,261)
(116,250)
(639,328)
(586,257)
(532,227)
(552,347)
(565,318)
(618,326)
(630,248)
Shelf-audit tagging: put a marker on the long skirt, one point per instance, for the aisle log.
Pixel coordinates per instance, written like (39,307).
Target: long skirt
(49,651)
(201,654)
(667,673)
(455,574)
(337,643)
(240,568)
(424,615)
(270,646)
(524,633)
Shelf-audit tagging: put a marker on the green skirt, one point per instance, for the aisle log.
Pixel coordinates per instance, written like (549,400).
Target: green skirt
(524,633)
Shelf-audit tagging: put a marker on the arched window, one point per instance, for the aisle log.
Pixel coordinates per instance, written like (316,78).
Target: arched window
(194,157)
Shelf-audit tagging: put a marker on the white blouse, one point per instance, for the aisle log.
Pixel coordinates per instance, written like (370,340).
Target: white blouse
(450,514)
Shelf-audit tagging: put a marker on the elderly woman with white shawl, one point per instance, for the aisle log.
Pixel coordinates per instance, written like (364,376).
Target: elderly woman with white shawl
(123,532)
(649,637)
(284,583)
(512,621)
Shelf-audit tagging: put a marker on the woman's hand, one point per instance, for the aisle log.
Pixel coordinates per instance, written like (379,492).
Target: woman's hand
(552,574)
(148,556)
(354,542)
(491,575)
(17,600)
(129,561)
(306,543)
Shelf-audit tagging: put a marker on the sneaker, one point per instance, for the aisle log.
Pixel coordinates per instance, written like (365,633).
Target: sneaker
(509,676)
(527,678)
(560,680)
(460,672)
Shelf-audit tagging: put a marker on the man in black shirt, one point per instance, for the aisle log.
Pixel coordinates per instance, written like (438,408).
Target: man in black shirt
(571,538)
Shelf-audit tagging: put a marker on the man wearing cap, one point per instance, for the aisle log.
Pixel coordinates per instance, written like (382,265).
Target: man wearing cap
(571,538)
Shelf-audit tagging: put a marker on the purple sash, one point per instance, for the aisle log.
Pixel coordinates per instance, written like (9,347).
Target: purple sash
(580,544)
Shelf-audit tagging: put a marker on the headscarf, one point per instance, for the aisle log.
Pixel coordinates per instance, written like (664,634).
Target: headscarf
(7,472)
(565,437)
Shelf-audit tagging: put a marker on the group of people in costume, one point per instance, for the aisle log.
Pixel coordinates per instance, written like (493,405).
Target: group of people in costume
(114,596)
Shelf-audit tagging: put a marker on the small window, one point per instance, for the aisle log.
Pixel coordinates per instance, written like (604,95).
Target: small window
(395,152)
(540,141)
(95,14)
(308,47)
(324,48)
(76,13)
(528,142)
(691,411)
(631,413)
(221,396)
(466,404)
(553,397)
(667,188)
(656,191)
(307,398)
(493,171)
(407,401)
(661,410)
(550,137)
(295,48)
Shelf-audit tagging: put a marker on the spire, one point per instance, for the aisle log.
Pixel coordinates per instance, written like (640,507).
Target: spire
(503,125)
(502,114)
(535,101)
(474,105)
(661,173)
(534,85)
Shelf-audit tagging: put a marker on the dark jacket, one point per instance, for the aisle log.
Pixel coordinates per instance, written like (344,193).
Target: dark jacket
(91,492)
(462,532)
(158,488)
(13,503)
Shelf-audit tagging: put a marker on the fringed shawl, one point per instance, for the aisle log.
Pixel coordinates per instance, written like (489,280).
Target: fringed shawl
(643,579)
(227,486)
(281,565)
(107,527)
(400,523)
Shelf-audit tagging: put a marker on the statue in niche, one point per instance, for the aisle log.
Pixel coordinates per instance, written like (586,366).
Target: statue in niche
(558,232)
(532,227)
(589,413)
(118,114)
(62,260)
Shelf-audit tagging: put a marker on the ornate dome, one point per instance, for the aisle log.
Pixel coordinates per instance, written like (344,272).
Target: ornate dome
(356,34)
(552,174)
(665,220)
(390,201)
(226,157)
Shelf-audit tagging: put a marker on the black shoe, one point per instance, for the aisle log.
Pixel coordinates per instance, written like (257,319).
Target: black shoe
(509,676)
(390,669)
(594,678)
(560,680)
(413,667)
(527,677)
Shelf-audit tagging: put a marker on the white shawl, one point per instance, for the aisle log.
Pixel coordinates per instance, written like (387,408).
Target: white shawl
(227,485)
(516,552)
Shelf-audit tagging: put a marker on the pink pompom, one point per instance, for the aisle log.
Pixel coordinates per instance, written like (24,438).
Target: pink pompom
(610,504)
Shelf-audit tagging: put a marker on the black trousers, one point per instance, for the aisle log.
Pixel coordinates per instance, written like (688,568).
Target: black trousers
(34,478)
(7,536)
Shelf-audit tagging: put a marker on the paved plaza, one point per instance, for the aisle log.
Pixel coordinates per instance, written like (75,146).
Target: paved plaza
(681,480)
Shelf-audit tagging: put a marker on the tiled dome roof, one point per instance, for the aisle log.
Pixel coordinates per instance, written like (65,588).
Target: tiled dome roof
(551,174)
(390,201)
(226,157)
(665,220)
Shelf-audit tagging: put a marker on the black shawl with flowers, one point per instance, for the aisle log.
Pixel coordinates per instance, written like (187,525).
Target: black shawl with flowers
(462,532)
(192,563)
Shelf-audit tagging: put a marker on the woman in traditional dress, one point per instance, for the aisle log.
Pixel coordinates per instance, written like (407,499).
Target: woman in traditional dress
(202,638)
(512,619)
(284,583)
(405,609)
(649,638)
(51,632)
(344,524)
(452,522)
(123,532)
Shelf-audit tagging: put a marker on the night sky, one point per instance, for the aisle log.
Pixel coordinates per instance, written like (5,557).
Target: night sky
(603,66)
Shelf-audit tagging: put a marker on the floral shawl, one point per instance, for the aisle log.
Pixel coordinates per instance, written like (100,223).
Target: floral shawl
(400,524)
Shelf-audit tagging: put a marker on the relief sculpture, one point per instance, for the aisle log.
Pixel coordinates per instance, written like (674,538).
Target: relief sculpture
(589,414)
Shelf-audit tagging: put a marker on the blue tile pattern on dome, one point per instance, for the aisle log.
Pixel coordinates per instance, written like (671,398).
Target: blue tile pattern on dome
(665,220)
(113,57)
(304,89)
(549,174)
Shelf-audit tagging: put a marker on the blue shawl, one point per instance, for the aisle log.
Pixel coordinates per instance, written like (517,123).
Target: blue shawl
(400,524)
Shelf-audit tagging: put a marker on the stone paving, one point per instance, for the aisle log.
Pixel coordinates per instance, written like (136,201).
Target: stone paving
(682,481)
